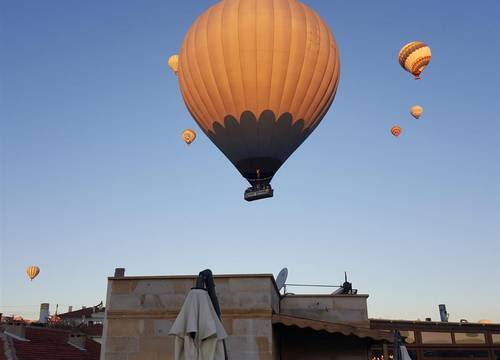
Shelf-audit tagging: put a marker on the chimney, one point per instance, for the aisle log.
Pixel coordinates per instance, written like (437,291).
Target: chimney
(77,340)
(120,272)
(44,313)
(443,313)
(16,329)
(70,308)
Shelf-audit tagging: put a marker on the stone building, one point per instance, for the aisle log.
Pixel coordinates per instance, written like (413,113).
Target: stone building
(261,324)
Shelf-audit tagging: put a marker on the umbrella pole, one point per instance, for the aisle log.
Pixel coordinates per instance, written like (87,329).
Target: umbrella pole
(397,344)
(206,280)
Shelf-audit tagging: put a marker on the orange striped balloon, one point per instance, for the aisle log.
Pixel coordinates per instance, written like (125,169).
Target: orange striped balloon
(188,136)
(396,130)
(32,271)
(414,57)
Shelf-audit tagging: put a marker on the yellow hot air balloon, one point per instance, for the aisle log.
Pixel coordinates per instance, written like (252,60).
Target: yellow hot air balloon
(188,136)
(32,271)
(416,111)
(258,77)
(173,62)
(414,57)
(396,130)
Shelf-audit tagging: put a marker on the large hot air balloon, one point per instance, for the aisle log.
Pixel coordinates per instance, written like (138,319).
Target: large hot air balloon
(173,63)
(414,57)
(258,76)
(416,111)
(188,136)
(32,271)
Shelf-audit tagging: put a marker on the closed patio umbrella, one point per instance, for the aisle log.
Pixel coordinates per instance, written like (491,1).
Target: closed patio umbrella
(198,331)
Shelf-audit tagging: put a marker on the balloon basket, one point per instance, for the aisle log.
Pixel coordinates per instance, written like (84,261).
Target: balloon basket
(258,192)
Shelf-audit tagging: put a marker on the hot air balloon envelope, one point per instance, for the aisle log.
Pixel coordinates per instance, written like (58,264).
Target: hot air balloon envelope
(416,111)
(258,77)
(396,130)
(32,271)
(414,57)
(188,136)
(173,62)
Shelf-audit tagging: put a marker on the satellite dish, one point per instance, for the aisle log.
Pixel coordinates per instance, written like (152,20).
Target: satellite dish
(281,279)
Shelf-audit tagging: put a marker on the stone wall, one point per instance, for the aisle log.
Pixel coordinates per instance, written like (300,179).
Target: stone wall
(141,310)
(346,309)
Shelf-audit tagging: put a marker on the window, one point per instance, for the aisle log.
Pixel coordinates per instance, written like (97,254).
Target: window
(470,338)
(434,337)
(495,338)
(409,336)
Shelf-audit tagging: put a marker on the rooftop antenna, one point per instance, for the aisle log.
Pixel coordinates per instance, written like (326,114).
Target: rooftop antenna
(345,288)
(281,279)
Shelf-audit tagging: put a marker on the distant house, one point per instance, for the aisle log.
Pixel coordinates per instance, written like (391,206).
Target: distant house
(86,315)
(22,342)
(436,340)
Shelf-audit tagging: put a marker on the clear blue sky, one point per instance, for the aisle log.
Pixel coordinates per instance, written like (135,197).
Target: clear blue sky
(94,174)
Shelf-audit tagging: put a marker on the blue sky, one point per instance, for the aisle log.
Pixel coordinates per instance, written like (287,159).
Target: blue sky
(94,175)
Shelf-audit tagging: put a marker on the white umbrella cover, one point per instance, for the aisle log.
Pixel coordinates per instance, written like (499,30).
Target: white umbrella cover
(198,330)
(404,353)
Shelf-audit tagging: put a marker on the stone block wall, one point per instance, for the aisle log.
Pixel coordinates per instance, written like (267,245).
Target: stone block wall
(347,309)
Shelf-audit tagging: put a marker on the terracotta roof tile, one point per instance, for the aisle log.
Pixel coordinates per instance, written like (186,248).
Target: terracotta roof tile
(91,330)
(52,344)
(3,345)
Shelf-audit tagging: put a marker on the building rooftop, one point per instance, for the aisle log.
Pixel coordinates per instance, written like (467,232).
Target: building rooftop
(85,312)
(49,344)
(441,324)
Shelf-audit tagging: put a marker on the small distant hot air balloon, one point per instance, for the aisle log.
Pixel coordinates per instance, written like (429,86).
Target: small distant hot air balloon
(188,136)
(396,130)
(414,57)
(416,111)
(32,271)
(173,62)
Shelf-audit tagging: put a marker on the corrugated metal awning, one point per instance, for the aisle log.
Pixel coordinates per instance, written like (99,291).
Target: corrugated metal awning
(380,335)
